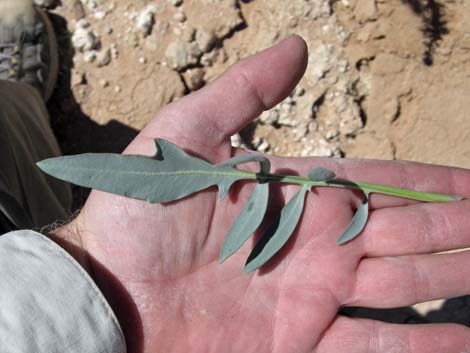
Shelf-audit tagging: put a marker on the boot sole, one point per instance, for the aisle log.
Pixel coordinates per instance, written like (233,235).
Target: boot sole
(53,64)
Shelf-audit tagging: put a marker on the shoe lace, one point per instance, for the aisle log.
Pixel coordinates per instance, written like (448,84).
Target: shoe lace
(9,58)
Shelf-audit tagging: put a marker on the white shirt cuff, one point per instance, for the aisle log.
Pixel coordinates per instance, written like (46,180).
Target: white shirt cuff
(48,303)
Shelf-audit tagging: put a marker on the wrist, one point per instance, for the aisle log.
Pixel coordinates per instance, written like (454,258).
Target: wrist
(72,240)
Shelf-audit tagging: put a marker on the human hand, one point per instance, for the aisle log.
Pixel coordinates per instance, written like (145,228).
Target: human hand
(158,264)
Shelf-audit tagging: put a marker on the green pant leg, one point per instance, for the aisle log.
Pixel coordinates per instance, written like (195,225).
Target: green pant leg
(25,138)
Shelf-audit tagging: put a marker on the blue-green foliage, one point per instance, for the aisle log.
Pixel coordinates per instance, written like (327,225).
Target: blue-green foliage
(173,174)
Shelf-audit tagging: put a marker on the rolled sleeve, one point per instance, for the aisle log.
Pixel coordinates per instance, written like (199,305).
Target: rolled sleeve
(48,303)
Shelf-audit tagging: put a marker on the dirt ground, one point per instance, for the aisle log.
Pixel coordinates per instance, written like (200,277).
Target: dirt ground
(387,79)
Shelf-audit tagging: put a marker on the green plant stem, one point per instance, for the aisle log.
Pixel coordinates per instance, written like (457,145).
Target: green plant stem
(366,187)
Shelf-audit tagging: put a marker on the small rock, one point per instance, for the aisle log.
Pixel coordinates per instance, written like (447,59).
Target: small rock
(176,2)
(108,30)
(179,55)
(263,146)
(103,58)
(321,61)
(225,16)
(44,3)
(343,66)
(99,15)
(133,39)
(145,20)
(214,56)
(194,78)
(117,89)
(104,83)
(90,56)
(188,34)
(285,113)
(319,147)
(236,141)
(312,126)
(205,40)
(287,104)
(84,40)
(320,9)
(299,132)
(299,91)
(142,60)
(82,23)
(344,116)
(114,51)
(92,5)
(269,117)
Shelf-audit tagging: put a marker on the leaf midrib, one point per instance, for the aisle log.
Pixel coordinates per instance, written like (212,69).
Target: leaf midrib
(177,172)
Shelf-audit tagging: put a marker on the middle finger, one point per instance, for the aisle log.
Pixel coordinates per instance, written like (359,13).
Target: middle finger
(417,229)
(389,282)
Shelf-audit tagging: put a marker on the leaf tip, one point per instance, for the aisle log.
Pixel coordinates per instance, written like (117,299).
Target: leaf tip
(223,256)
(47,165)
(249,268)
(342,240)
(40,164)
(357,224)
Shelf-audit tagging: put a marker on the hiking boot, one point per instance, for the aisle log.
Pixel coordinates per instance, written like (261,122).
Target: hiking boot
(28,48)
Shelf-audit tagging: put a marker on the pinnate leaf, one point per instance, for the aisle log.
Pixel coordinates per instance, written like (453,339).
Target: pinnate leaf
(278,233)
(248,220)
(321,174)
(171,175)
(357,224)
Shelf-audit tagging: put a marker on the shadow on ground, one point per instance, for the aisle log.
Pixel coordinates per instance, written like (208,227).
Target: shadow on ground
(75,131)
(434,25)
(455,310)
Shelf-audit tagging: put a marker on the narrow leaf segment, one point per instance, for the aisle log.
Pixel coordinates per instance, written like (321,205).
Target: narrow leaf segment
(252,214)
(247,222)
(278,233)
(357,224)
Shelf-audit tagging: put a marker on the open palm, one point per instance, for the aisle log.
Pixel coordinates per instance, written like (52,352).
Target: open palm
(158,264)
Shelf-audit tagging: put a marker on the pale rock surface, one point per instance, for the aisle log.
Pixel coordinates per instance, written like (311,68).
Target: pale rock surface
(84,39)
(145,19)
(44,3)
(180,55)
